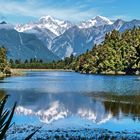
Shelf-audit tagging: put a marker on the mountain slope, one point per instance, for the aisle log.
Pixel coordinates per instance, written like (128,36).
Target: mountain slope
(130,25)
(43,34)
(24,46)
(78,40)
(71,42)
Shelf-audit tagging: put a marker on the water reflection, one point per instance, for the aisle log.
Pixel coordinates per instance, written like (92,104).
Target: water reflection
(97,110)
(118,104)
(53,96)
(51,107)
(116,108)
(2,93)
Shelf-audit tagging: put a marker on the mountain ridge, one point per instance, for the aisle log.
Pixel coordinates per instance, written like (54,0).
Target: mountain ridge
(64,38)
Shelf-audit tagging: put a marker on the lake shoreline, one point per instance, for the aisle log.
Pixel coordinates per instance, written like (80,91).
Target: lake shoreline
(110,73)
(34,70)
(23,72)
(20,72)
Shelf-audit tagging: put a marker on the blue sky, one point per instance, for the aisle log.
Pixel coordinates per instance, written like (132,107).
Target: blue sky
(22,11)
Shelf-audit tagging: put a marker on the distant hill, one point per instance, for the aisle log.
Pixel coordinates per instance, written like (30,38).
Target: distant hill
(24,46)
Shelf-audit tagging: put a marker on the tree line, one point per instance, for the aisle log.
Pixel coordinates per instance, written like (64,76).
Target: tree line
(4,65)
(120,52)
(34,63)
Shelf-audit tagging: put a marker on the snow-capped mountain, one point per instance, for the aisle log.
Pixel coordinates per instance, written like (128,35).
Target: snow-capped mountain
(78,40)
(73,41)
(64,38)
(56,26)
(46,29)
(97,21)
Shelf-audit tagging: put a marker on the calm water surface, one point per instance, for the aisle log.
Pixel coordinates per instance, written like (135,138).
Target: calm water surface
(68,99)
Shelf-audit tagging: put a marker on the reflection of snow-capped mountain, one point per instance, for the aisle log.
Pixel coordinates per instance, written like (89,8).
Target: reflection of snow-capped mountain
(94,116)
(58,111)
(53,113)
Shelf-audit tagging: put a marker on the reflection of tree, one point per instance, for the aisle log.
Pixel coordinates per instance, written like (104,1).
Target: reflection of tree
(127,104)
(2,94)
(127,108)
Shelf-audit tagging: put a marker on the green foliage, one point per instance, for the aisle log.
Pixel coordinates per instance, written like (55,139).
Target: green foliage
(118,53)
(27,64)
(39,64)
(4,67)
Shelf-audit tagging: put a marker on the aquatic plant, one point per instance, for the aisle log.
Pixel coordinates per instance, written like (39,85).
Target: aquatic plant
(6,116)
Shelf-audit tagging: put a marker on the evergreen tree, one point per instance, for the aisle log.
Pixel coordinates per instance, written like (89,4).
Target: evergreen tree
(3,59)
(120,52)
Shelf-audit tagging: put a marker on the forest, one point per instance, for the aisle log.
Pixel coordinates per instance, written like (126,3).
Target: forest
(119,53)
(4,65)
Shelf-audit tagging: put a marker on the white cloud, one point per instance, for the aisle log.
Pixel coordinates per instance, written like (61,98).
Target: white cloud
(123,16)
(34,8)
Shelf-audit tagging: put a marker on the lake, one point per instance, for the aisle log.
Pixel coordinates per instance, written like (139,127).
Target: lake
(73,100)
